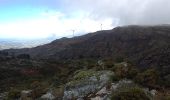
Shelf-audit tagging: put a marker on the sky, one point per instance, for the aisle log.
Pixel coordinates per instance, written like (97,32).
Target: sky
(34,19)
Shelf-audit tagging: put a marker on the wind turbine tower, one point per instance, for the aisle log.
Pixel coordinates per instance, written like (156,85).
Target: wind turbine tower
(101,26)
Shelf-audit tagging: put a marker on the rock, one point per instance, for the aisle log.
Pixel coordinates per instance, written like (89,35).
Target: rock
(153,92)
(97,98)
(26,95)
(86,82)
(3,95)
(102,91)
(80,99)
(115,86)
(58,92)
(48,96)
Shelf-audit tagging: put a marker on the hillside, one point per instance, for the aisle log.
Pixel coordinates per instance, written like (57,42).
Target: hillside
(144,45)
(108,64)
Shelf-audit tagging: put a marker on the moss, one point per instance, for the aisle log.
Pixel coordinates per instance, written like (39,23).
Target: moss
(73,83)
(86,74)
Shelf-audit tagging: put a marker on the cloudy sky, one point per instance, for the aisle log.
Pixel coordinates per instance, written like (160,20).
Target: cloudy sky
(45,18)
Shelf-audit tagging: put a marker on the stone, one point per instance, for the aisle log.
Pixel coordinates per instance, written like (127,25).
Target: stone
(153,92)
(48,96)
(26,95)
(3,95)
(102,91)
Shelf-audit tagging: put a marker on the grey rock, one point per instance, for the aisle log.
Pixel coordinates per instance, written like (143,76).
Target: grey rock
(87,85)
(48,96)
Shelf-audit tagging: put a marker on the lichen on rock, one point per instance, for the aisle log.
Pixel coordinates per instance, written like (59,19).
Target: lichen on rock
(86,82)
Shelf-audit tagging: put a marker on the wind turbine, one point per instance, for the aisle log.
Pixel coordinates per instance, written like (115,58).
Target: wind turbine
(101,26)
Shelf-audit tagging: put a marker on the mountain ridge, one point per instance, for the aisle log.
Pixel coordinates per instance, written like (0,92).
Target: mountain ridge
(131,42)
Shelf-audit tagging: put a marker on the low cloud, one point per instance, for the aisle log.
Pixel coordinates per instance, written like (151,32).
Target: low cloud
(125,11)
(61,17)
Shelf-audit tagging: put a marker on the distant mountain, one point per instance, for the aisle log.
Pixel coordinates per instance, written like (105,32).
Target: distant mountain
(18,44)
(144,45)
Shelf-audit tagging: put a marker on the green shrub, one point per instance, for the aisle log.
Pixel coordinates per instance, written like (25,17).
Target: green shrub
(132,93)
(148,77)
(13,94)
(125,70)
(167,98)
(58,92)
(119,59)
(109,64)
(132,72)
(114,78)
(38,88)
(121,70)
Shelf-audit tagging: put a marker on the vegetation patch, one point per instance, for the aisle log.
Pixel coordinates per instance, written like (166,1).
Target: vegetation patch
(130,93)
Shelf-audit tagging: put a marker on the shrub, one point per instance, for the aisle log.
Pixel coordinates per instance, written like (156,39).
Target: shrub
(114,78)
(23,56)
(132,72)
(109,64)
(125,70)
(13,94)
(59,92)
(119,59)
(121,70)
(84,74)
(38,88)
(148,77)
(166,80)
(132,93)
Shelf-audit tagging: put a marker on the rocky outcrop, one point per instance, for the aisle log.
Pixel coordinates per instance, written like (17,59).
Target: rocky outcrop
(96,85)
(105,93)
(86,82)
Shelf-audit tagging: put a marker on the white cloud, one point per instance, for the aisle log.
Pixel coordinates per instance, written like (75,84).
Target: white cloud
(126,11)
(52,22)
